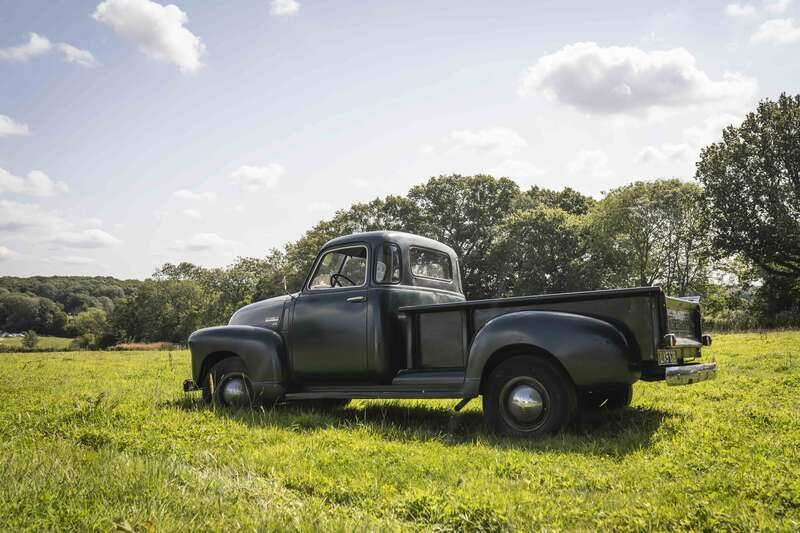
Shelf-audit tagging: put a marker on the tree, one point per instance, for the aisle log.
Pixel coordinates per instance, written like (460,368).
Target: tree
(91,324)
(752,187)
(30,340)
(655,234)
(545,250)
(566,199)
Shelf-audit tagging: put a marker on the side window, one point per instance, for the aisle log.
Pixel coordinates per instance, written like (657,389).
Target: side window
(431,264)
(345,267)
(387,265)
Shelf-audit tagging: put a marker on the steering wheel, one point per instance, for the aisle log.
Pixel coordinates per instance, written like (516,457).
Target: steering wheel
(335,279)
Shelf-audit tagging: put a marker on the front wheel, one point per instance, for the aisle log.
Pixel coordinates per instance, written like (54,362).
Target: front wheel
(528,396)
(227,385)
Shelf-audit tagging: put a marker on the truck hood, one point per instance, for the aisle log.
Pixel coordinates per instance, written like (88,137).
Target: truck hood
(266,313)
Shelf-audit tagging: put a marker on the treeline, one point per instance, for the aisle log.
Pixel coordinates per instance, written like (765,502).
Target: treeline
(731,236)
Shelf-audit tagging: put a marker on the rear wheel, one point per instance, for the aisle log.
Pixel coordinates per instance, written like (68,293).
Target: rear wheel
(528,396)
(227,384)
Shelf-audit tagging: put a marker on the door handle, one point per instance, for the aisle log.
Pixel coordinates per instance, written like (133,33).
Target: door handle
(357,299)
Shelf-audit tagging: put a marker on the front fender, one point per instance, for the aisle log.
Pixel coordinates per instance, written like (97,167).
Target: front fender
(593,352)
(261,350)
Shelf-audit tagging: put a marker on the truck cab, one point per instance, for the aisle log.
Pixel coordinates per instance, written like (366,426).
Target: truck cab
(383,315)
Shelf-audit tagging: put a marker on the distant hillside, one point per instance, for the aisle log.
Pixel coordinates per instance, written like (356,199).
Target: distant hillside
(73,293)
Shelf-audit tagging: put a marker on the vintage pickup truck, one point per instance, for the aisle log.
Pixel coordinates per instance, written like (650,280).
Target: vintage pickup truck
(382,315)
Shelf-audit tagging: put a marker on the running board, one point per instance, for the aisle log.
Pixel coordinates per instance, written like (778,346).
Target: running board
(388,393)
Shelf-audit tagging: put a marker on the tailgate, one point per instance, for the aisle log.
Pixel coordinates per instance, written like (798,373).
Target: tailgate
(682,334)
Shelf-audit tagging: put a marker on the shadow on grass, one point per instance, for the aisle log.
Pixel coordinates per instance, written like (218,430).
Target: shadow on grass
(602,432)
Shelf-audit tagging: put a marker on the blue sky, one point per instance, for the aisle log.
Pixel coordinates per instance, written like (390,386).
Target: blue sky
(134,132)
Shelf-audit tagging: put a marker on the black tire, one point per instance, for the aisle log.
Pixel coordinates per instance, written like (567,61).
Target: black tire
(528,379)
(617,397)
(228,373)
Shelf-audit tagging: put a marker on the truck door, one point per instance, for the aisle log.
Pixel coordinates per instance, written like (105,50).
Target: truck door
(329,329)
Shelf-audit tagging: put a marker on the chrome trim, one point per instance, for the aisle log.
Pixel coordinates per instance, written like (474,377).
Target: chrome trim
(690,374)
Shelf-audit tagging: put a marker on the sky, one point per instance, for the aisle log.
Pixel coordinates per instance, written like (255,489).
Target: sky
(135,132)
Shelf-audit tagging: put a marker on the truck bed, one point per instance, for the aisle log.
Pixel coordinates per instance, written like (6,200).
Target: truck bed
(440,335)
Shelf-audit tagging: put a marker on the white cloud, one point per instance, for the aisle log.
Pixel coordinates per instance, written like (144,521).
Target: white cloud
(186,194)
(36,183)
(15,216)
(740,10)
(75,55)
(159,31)
(625,79)
(360,183)
(37,45)
(252,178)
(319,206)
(776,31)
(593,163)
(425,149)
(777,6)
(664,152)
(88,238)
(76,260)
(495,141)
(282,8)
(6,253)
(9,127)
(516,169)
(191,213)
(693,139)
(200,242)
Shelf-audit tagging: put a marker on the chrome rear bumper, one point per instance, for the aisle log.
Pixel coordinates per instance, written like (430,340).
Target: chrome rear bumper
(689,374)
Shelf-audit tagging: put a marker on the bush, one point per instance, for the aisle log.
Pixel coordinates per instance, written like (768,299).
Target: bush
(30,340)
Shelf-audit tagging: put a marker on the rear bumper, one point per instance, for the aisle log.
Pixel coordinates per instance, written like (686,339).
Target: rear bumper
(189,385)
(689,374)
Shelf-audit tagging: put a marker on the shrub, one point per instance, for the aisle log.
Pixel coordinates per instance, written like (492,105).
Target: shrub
(30,340)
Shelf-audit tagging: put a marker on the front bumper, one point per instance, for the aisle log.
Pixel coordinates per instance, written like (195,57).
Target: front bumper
(689,374)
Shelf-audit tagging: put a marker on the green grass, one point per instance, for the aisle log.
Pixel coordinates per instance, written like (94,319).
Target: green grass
(48,343)
(98,440)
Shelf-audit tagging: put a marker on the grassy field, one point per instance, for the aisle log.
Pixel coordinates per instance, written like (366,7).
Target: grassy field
(57,343)
(94,440)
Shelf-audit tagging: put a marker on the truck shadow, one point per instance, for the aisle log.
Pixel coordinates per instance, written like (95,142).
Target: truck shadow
(601,432)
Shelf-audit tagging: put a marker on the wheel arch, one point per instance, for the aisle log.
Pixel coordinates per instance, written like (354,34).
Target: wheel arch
(587,349)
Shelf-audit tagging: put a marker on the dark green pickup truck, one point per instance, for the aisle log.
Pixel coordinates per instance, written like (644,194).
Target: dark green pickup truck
(382,315)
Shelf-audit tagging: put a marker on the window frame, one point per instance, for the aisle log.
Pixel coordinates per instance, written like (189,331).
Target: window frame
(322,256)
(400,263)
(431,250)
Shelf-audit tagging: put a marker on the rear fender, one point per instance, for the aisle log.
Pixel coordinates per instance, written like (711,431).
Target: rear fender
(261,350)
(591,351)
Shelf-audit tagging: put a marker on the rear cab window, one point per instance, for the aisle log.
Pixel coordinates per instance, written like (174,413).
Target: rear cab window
(426,263)
(388,266)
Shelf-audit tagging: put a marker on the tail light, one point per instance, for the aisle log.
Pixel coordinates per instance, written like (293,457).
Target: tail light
(670,340)
(706,340)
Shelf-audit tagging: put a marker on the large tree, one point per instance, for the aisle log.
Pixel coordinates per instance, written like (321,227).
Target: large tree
(752,187)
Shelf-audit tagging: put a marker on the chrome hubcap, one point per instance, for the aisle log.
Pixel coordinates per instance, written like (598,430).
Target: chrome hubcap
(525,404)
(234,392)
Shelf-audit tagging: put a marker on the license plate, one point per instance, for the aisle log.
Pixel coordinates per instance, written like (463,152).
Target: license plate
(667,357)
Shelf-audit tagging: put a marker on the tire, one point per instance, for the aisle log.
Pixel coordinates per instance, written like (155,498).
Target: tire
(227,385)
(528,396)
(617,397)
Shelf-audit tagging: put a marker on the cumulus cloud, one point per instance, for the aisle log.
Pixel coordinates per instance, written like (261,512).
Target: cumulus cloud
(16,216)
(76,260)
(517,169)
(6,253)
(425,149)
(494,141)
(593,163)
(9,127)
(359,182)
(36,183)
(88,238)
(159,31)
(252,178)
(37,45)
(191,213)
(186,194)
(200,242)
(776,31)
(283,8)
(625,79)
(777,6)
(319,206)
(692,140)
(75,55)
(740,10)
(664,152)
